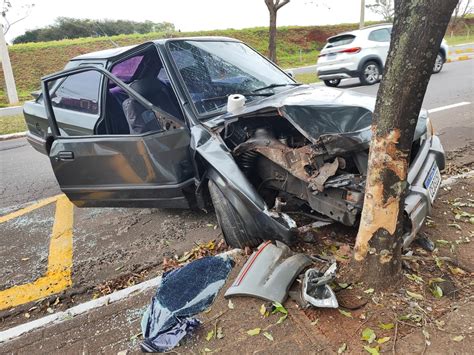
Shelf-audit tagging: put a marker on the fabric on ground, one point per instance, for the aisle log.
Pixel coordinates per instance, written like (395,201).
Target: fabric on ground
(182,293)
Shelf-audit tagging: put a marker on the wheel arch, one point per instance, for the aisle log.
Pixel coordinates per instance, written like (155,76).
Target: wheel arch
(370,58)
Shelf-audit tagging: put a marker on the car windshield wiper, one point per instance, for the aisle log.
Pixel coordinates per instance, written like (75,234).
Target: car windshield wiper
(271,86)
(226,96)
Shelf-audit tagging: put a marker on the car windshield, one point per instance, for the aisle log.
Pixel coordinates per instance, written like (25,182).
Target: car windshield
(213,70)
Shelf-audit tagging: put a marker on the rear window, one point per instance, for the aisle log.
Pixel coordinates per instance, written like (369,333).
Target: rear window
(340,40)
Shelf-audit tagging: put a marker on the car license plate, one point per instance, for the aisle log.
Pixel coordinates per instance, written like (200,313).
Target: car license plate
(433,181)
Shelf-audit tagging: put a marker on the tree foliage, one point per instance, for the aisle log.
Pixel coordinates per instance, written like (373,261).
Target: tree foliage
(67,28)
(383,8)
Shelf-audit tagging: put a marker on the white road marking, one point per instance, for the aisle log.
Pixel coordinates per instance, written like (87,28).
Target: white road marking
(447,107)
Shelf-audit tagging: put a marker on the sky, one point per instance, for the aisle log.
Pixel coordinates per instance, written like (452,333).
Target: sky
(190,15)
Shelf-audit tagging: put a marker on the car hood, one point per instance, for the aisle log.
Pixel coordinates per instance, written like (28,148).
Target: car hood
(338,119)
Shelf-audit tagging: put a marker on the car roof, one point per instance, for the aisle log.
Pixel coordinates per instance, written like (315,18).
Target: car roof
(361,30)
(114,52)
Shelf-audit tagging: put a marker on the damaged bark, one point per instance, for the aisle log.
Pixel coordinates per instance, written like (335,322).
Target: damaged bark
(417,32)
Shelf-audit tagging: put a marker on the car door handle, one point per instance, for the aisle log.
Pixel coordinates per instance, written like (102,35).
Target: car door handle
(65,156)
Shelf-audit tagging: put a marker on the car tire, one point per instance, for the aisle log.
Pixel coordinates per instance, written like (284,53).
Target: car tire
(332,83)
(370,73)
(230,221)
(439,62)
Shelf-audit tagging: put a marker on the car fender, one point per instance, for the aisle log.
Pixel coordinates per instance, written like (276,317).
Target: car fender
(215,162)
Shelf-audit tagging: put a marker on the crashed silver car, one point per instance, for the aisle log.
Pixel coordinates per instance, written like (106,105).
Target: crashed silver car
(186,123)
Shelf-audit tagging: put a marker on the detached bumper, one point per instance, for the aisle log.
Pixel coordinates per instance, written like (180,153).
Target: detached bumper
(421,195)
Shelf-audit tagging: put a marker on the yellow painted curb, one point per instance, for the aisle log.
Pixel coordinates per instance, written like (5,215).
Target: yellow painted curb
(58,274)
(467,50)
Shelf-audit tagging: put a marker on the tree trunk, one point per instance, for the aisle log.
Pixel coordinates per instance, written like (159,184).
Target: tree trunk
(418,29)
(272,33)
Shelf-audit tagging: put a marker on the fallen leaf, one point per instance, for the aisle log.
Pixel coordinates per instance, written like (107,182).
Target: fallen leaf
(456,270)
(383,340)
(210,335)
(369,290)
(455,225)
(458,338)
(315,322)
(282,319)
(27,315)
(279,308)
(342,284)
(414,295)
(263,310)
(386,326)
(25,259)
(436,291)
(268,336)
(440,324)
(345,313)
(220,333)
(49,310)
(415,278)
(368,335)
(254,331)
(442,242)
(342,348)
(207,350)
(230,304)
(373,351)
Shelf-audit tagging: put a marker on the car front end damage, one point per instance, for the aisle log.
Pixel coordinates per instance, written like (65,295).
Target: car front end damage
(292,159)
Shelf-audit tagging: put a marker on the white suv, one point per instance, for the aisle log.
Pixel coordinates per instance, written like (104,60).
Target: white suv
(361,54)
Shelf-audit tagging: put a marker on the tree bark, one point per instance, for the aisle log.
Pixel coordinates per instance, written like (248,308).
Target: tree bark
(273,7)
(419,26)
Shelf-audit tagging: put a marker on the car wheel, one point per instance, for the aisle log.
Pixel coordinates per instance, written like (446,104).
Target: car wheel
(229,220)
(332,83)
(370,73)
(438,63)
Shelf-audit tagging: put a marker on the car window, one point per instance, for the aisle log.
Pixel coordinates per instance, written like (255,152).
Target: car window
(382,35)
(125,70)
(212,70)
(79,92)
(340,40)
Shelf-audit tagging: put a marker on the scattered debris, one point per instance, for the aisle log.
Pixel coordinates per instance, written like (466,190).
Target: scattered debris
(269,273)
(316,290)
(182,293)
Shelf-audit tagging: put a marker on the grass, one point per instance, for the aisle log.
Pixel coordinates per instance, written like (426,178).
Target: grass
(307,78)
(459,39)
(12,124)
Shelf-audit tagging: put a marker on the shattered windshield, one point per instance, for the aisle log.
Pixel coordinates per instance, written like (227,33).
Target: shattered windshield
(213,70)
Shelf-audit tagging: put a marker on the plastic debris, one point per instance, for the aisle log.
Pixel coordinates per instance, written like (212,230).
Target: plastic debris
(316,290)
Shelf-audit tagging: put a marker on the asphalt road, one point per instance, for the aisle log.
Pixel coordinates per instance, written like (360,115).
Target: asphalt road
(113,242)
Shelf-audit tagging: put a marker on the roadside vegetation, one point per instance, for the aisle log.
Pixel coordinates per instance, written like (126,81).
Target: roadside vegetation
(296,46)
(307,78)
(12,124)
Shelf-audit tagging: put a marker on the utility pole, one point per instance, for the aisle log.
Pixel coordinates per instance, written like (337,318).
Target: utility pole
(7,70)
(362,14)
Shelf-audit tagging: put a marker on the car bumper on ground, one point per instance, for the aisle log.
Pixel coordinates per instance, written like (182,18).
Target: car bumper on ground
(424,181)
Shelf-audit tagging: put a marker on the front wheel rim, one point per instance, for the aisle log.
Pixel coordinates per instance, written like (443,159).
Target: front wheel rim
(438,63)
(371,73)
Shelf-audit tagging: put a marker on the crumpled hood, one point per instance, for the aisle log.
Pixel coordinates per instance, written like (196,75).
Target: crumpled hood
(338,119)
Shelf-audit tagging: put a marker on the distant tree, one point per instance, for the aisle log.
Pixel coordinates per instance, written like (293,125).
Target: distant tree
(462,9)
(65,27)
(384,8)
(273,7)
(9,18)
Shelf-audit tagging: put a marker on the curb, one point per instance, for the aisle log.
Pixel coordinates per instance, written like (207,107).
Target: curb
(5,137)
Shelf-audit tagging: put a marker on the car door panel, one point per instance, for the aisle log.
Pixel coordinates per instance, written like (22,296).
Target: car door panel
(148,170)
(140,171)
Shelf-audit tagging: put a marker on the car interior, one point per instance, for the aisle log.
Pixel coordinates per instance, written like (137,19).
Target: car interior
(145,74)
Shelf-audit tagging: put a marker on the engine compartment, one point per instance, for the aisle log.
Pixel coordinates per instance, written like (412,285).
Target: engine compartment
(294,175)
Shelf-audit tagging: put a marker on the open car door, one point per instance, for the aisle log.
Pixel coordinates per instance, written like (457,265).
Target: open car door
(152,169)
